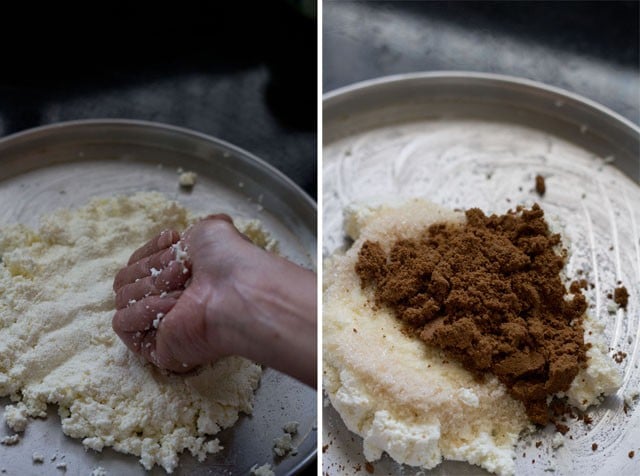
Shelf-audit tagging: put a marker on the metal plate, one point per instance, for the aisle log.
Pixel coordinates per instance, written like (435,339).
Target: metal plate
(64,165)
(478,140)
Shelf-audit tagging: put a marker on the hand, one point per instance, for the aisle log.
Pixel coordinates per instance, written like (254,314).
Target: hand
(239,300)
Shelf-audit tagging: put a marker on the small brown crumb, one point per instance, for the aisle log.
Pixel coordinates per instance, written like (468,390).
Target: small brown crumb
(619,356)
(621,296)
(538,444)
(369,467)
(541,188)
(562,428)
(325,448)
(587,419)
(355,330)
(576,286)
(631,454)
(594,446)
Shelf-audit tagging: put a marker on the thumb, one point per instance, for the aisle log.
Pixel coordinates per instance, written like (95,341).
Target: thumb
(180,340)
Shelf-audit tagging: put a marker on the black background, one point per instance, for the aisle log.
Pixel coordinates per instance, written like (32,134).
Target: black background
(590,48)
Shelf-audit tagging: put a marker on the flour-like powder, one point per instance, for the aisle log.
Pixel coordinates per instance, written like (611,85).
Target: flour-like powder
(57,345)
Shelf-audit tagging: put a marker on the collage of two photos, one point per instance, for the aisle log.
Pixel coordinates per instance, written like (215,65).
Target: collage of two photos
(338,237)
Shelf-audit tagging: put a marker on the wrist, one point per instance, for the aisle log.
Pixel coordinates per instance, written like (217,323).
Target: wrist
(276,325)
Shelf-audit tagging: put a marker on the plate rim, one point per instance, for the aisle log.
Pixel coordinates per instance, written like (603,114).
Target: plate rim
(481,78)
(55,127)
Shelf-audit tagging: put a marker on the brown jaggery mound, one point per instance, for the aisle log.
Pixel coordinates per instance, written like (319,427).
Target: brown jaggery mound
(489,294)
(621,296)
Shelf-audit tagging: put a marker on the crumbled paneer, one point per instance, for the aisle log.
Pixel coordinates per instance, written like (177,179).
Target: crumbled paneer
(630,398)
(15,416)
(187,179)
(557,441)
(291,427)
(10,440)
(264,470)
(282,445)
(37,458)
(58,278)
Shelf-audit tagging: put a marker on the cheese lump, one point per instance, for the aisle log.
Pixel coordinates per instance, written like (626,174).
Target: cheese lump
(57,345)
(404,397)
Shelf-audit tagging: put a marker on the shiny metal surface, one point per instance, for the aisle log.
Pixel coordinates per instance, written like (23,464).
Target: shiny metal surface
(66,164)
(472,139)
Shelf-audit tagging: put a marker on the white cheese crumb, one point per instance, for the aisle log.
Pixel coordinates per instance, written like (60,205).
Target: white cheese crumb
(156,321)
(629,398)
(264,470)
(37,458)
(132,301)
(61,466)
(154,272)
(291,427)
(557,441)
(282,445)
(181,255)
(15,416)
(99,471)
(187,179)
(10,440)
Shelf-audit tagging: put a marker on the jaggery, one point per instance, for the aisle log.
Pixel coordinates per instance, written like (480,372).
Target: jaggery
(489,294)
(541,187)
(621,296)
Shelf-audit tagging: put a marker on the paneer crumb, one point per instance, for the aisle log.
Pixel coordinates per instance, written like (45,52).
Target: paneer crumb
(10,440)
(291,427)
(557,441)
(156,321)
(282,445)
(264,470)
(99,471)
(37,458)
(187,179)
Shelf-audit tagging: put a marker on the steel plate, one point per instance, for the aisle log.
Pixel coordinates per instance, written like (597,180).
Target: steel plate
(66,164)
(478,140)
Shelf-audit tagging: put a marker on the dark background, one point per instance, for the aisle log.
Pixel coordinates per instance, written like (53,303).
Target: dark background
(590,48)
(244,72)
